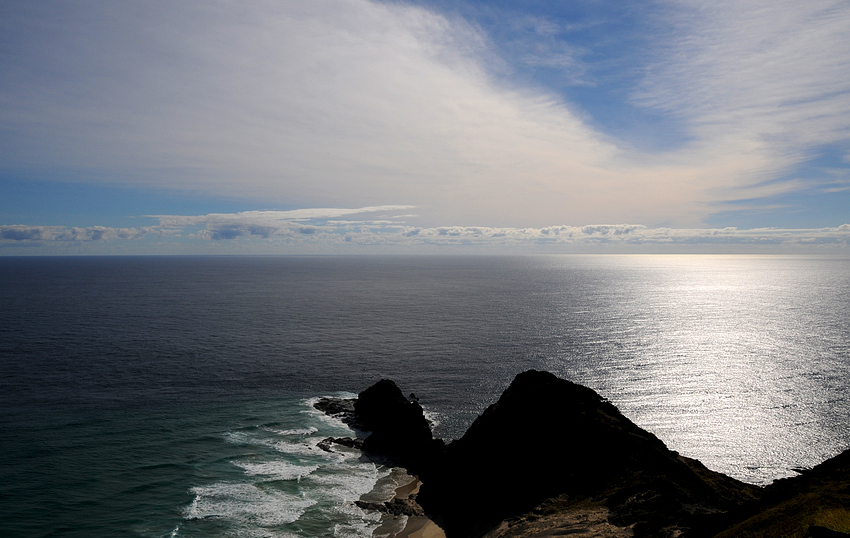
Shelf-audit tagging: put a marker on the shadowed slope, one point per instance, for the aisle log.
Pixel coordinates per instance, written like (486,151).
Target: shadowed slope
(551,457)
(547,437)
(819,497)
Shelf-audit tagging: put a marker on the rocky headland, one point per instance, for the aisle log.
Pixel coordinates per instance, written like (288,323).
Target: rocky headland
(590,471)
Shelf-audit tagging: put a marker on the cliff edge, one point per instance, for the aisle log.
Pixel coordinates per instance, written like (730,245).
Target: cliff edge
(548,438)
(553,458)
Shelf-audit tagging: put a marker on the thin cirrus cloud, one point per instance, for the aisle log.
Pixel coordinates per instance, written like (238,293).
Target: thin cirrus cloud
(764,83)
(341,102)
(351,103)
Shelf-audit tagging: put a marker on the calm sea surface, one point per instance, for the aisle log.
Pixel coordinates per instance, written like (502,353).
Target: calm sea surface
(171,396)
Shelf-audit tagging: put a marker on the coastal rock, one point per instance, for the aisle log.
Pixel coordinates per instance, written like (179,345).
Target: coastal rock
(398,430)
(341,408)
(551,458)
(395,507)
(351,442)
(547,437)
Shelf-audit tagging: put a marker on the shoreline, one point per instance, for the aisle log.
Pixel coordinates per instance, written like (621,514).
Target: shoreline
(420,527)
(630,481)
(414,526)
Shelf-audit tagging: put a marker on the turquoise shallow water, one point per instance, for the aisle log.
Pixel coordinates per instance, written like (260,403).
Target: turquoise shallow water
(246,468)
(171,396)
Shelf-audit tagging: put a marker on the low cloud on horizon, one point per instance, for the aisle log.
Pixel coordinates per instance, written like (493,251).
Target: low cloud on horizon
(383,229)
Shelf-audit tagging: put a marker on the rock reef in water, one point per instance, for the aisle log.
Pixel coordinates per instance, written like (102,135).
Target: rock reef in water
(551,457)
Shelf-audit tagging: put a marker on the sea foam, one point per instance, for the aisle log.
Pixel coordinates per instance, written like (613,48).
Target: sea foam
(245,503)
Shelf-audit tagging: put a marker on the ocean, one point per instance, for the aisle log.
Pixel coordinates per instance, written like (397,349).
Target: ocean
(172,396)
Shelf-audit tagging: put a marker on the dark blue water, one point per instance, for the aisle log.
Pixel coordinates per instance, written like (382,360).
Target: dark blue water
(170,396)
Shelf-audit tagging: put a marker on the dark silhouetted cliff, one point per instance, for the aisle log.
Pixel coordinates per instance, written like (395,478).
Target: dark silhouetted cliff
(551,457)
(547,437)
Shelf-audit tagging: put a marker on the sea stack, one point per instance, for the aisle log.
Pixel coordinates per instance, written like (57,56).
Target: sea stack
(396,429)
(400,431)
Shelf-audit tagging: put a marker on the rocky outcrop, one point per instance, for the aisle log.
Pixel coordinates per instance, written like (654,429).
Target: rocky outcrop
(396,428)
(342,408)
(351,442)
(399,428)
(547,437)
(395,507)
(551,457)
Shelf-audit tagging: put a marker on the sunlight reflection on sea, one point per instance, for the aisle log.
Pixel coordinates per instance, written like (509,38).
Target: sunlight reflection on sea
(737,361)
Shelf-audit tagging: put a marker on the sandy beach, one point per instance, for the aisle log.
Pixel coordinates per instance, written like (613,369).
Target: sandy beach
(416,526)
(420,527)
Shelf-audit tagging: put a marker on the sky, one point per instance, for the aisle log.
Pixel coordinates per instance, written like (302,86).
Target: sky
(463,126)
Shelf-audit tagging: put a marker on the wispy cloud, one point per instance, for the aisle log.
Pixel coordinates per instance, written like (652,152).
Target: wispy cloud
(761,84)
(359,103)
(272,218)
